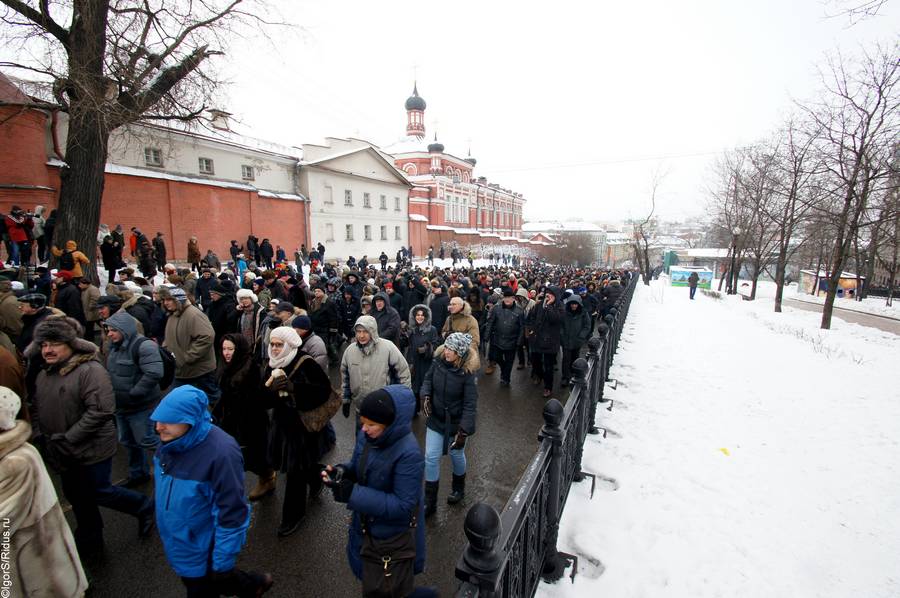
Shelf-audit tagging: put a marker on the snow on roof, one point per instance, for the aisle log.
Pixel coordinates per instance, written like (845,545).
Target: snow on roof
(438,227)
(418,218)
(824,274)
(714,252)
(204,131)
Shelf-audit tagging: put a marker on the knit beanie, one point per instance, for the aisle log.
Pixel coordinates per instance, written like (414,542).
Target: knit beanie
(459,343)
(10,403)
(378,406)
(302,323)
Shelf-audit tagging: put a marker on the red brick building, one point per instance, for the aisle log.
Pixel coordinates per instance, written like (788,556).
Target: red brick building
(448,203)
(159,183)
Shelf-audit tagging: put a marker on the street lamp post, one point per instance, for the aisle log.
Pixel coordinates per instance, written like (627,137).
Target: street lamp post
(733,277)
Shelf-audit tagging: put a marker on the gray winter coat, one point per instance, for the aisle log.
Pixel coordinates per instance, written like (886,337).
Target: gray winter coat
(576,326)
(314,346)
(505,327)
(378,364)
(136,385)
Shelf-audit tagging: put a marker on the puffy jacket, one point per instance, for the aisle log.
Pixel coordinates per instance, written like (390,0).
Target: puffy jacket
(395,469)
(454,396)
(547,324)
(141,309)
(576,326)
(136,385)
(439,311)
(314,346)
(387,318)
(201,291)
(379,363)
(189,336)
(505,327)
(75,399)
(201,511)
(423,337)
(68,299)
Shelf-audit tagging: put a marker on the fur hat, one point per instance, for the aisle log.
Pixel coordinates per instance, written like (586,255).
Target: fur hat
(35,300)
(58,330)
(247,293)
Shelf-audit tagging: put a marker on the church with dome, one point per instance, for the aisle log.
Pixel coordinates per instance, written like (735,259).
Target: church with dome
(448,202)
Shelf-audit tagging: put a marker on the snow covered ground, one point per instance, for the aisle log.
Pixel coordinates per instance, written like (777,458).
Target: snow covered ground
(869,305)
(751,454)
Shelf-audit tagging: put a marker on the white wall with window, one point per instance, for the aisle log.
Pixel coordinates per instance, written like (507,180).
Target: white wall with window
(366,225)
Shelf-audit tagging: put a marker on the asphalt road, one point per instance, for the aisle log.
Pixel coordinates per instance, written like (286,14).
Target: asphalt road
(313,561)
(873,321)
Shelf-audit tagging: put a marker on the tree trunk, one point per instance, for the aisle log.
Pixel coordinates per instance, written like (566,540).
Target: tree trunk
(780,267)
(82,184)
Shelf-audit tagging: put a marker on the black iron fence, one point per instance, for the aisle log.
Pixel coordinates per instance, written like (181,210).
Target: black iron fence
(508,553)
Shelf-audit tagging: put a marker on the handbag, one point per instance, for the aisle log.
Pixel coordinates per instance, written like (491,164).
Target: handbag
(387,563)
(316,419)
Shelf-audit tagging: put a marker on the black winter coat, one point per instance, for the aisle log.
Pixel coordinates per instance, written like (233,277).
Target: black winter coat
(224,316)
(68,299)
(240,411)
(454,397)
(439,310)
(505,327)
(547,325)
(325,319)
(388,320)
(423,337)
(576,326)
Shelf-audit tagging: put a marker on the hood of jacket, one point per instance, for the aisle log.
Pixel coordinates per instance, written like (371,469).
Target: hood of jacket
(384,297)
(184,405)
(369,323)
(573,299)
(404,407)
(470,364)
(412,317)
(125,324)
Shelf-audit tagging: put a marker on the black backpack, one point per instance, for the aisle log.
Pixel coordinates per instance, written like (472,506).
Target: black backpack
(168,361)
(66,261)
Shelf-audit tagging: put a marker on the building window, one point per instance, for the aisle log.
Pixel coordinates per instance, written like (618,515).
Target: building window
(153,156)
(206,166)
(349,233)
(329,231)
(367,230)
(247,172)
(397,204)
(397,233)
(367,200)
(383,199)
(383,233)
(329,195)
(348,197)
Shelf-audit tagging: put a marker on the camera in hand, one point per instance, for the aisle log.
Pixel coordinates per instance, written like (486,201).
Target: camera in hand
(335,475)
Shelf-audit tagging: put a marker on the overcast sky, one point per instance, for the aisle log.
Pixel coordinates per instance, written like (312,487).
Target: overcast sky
(570,103)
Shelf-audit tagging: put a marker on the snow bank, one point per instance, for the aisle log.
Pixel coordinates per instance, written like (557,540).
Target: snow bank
(749,454)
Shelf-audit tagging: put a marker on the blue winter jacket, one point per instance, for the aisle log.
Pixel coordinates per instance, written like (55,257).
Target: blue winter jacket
(201,511)
(395,470)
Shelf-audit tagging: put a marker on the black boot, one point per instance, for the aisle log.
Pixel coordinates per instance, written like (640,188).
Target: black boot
(459,489)
(431,491)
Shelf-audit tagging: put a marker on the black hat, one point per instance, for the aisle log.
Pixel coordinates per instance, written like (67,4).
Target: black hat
(110,300)
(219,289)
(284,306)
(36,300)
(378,406)
(508,292)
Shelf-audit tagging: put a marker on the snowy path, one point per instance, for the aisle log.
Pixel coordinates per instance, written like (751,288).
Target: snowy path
(754,456)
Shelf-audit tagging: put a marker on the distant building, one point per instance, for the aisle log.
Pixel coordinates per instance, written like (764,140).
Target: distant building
(358,200)
(448,203)
(555,229)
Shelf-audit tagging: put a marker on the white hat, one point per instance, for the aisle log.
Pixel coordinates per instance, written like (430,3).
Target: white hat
(10,403)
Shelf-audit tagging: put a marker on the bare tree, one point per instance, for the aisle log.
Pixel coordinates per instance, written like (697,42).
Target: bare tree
(858,118)
(856,10)
(795,192)
(116,62)
(576,247)
(645,230)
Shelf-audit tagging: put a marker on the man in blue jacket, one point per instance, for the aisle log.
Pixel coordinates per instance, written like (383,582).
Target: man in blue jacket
(201,511)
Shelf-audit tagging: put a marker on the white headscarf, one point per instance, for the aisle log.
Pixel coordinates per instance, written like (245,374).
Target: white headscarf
(292,342)
(9,408)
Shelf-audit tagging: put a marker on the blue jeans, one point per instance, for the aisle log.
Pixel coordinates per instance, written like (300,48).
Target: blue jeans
(137,434)
(434,448)
(693,292)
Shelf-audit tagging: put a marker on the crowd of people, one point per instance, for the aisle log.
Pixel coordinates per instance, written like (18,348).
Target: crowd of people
(213,370)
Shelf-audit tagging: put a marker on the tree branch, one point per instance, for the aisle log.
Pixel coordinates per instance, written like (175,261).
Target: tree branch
(41,18)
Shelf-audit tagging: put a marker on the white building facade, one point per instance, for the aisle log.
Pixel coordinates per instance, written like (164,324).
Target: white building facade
(359,202)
